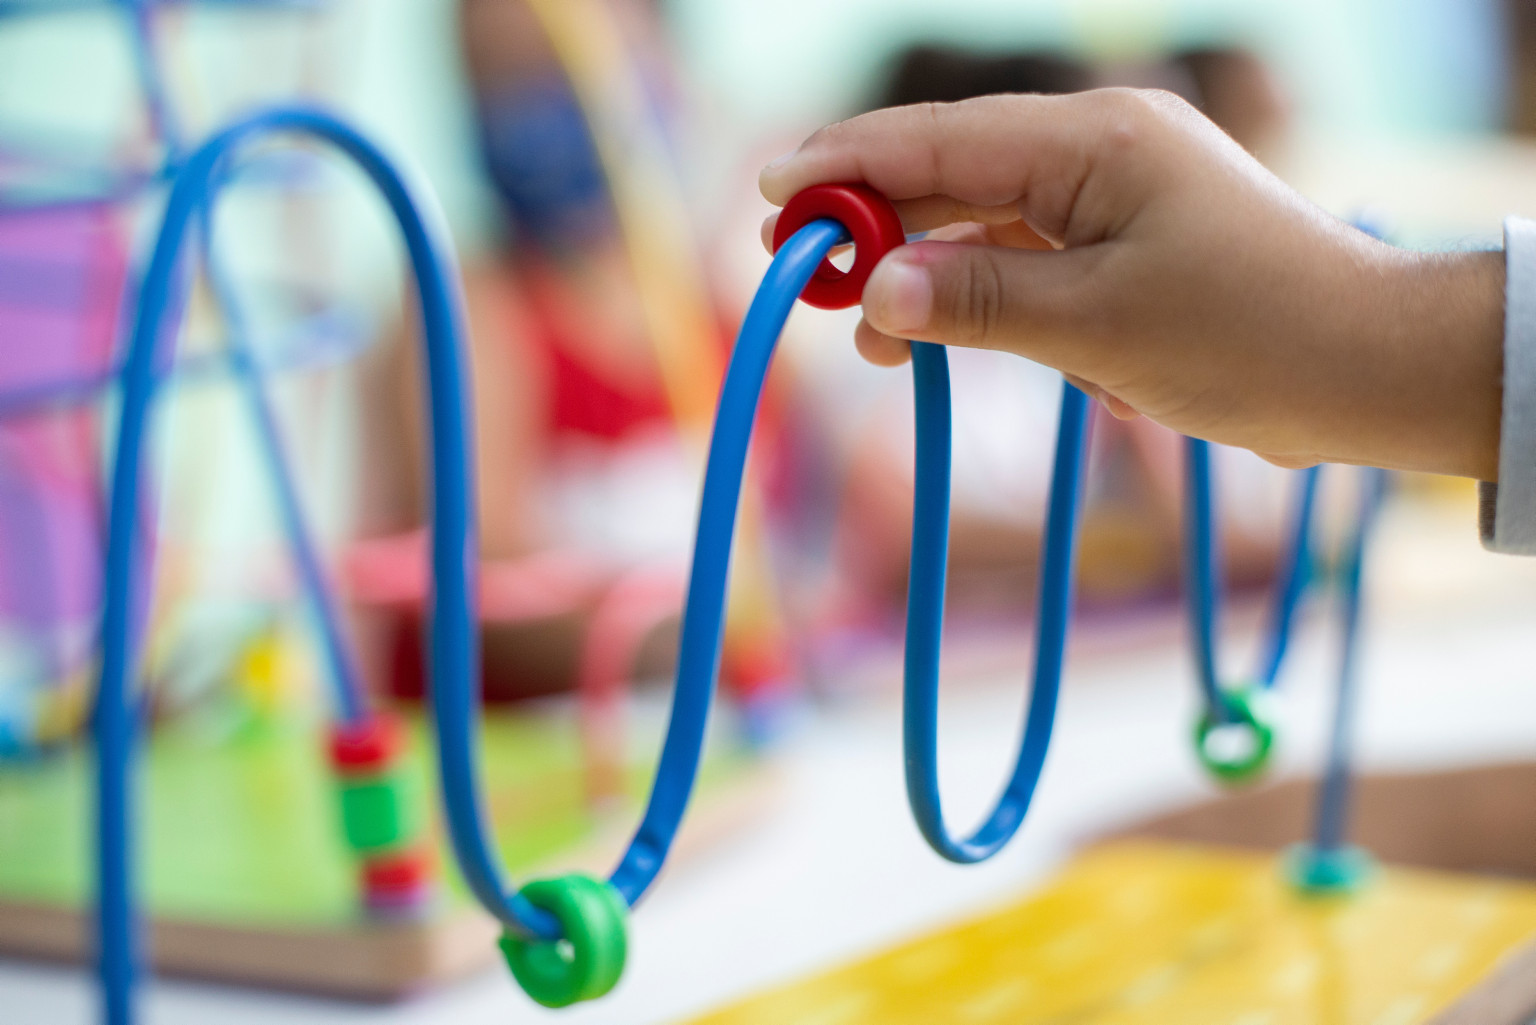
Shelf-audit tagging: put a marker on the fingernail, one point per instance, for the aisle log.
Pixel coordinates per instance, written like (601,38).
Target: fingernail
(780,161)
(898,300)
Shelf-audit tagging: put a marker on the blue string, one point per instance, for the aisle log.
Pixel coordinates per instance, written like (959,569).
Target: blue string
(454,655)
(1332,812)
(1202,571)
(925,612)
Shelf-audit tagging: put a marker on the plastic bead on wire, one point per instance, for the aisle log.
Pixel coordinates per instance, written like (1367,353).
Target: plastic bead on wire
(1242,709)
(1245,709)
(870,222)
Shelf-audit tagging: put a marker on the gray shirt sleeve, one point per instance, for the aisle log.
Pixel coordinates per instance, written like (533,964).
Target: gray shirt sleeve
(1507,514)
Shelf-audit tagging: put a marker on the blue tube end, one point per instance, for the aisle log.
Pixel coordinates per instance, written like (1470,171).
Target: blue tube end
(1339,871)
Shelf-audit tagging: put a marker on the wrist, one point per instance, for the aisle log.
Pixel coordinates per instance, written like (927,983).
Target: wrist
(1441,358)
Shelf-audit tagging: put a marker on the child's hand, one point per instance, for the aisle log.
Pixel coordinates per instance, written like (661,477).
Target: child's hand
(1122,238)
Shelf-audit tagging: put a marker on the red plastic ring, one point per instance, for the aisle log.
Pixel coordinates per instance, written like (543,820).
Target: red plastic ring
(869,218)
(399,873)
(367,746)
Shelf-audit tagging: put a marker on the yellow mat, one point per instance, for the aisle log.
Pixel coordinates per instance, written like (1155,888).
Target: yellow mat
(1141,933)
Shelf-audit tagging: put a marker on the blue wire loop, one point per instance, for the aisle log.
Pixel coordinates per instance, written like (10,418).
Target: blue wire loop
(1202,569)
(704,608)
(454,655)
(1329,862)
(344,673)
(925,611)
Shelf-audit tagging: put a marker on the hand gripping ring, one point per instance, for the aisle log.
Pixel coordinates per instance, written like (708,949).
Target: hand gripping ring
(869,218)
(1244,709)
(588,961)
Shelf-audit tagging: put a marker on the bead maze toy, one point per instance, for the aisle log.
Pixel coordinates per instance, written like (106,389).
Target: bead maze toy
(564,939)
(346,899)
(1198,935)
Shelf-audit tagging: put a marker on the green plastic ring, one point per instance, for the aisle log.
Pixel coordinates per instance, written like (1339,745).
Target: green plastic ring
(587,963)
(1244,708)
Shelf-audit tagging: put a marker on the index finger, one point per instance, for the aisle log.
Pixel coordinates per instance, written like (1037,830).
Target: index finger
(988,159)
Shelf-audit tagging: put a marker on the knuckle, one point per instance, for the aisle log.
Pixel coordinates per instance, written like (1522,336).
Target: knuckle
(978,301)
(1163,103)
(1135,116)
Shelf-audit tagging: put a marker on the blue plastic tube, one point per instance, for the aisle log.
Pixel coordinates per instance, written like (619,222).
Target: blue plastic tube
(454,654)
(1202,571)
(1331,816)
(704,608)
(925,612)
(343,671)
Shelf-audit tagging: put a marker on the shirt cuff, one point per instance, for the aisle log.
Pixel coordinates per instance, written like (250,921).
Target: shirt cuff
(1508,514)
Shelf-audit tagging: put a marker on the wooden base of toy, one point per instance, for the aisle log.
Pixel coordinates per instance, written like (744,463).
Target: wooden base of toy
(364,960)
(370,962)
(1142,930)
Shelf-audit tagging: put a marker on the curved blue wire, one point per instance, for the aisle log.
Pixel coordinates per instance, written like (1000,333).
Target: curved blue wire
(925,612)
(344,673)
(1202,573)
(1333,795)
(699,643)
(454,653)
(1295,575)
(698,660)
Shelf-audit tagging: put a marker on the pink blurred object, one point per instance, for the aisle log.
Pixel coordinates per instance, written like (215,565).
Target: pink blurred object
(62,278)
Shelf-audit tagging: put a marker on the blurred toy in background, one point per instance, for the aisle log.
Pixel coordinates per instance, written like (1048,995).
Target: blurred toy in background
(287,843)
(62,273)
(597,353)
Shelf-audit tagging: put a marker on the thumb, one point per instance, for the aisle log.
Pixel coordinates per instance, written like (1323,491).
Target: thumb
(981,296)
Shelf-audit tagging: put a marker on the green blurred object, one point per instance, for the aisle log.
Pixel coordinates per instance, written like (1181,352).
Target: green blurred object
(245,831)
(1244,710)
(588,961)
(379,812)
